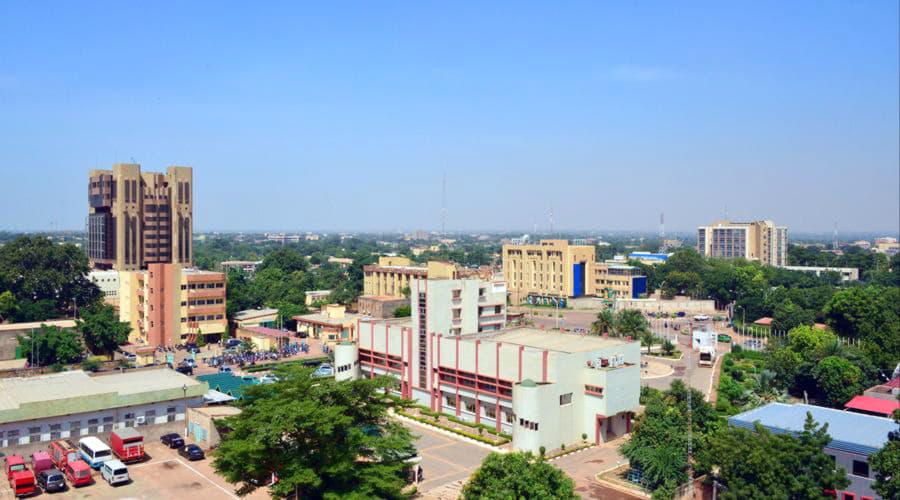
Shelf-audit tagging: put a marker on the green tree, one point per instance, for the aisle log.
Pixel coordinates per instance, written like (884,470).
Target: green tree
(630,323)
(8,305)
(321,437)
(101,329)
(605,322)
(517,475)
(759,464)
(788,315)
(808,341)
(49,345)
(886,465)
(838,380)
(38,271)
(681,283)
(288,259)
(402,312)
(870,314)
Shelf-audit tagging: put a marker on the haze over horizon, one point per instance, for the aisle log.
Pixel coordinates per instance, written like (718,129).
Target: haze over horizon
(329,117)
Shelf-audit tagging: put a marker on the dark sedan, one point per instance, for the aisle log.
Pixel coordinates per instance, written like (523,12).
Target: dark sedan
(172,440)
(51,480)
(191,452)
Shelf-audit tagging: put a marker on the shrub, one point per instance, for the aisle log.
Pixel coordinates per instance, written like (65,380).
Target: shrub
(542,450)
(57,367)
(562,446)
(584,436)
(736,349)
(90,365)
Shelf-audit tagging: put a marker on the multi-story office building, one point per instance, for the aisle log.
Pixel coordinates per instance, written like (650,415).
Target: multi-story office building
(168,304)
(760,240)
(544,388)
(554,270)
(137,218)
(549,270)
(392,275)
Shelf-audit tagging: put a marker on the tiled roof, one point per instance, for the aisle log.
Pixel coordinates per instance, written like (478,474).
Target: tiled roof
(227,383)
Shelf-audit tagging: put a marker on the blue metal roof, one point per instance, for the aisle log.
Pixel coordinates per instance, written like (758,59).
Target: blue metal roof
(649,255)
(851,432)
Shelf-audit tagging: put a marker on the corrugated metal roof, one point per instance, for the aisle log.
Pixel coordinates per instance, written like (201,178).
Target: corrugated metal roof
(874,405)
(851,432)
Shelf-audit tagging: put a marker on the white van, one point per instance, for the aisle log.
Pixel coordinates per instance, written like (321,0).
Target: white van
(114,472)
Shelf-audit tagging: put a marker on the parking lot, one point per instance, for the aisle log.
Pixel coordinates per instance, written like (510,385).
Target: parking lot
(164,475)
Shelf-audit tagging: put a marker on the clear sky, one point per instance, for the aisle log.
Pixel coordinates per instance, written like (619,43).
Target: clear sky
(344,116)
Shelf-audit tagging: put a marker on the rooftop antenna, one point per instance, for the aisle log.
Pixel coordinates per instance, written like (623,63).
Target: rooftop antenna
(551,218)
(662,232)
(726,212)
(444,205)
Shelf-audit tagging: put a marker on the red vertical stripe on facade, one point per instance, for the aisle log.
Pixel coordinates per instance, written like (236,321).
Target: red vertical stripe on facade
(457,371)
(521,350)
(497,390)
(544,362)
(477,400)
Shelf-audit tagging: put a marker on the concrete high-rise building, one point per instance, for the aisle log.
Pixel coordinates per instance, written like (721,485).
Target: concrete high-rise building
(759,240)
(138,218)
(168,304)
(550,268)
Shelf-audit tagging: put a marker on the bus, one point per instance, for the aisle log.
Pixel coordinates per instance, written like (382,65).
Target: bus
(94,451)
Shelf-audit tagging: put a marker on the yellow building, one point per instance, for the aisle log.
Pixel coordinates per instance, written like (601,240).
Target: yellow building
(617,281)
(264,339)
(759,240)
(333,324)
(547,271)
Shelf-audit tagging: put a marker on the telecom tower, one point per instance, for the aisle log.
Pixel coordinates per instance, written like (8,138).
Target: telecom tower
(444,205)
(834,239)
(662,233)
(551,219)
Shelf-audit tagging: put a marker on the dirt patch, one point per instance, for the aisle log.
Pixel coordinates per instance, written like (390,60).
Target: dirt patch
(170,465)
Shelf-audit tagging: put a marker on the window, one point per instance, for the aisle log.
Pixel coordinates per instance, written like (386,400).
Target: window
(490,411)
(470,406)
(108,423)
(129,420)
(451,401)
(55,431)
(170,414)
(34,434)
(848,496)
(75,428)
(92,425)
(510,417)
(149,417)
(565,399)
(13,437)
(860,468)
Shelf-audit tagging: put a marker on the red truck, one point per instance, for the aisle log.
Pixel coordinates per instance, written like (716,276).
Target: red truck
(21,480)
(127,444)
(67,459)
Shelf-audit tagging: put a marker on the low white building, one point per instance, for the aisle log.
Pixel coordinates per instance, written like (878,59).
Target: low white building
(108,282)
(847,273)
(73,404)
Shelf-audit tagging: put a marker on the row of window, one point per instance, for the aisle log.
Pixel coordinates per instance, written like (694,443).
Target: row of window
(200,286)
(528,424)
(37,433)
(202,302)
(489,410)
(201,317)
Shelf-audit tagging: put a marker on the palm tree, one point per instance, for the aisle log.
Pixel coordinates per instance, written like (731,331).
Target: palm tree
(631,323)
(605,323)
(647,339)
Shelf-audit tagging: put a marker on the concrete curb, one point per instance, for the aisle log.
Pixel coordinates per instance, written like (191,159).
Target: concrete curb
(619,487)
(668,374)
(570,453)
(450,434)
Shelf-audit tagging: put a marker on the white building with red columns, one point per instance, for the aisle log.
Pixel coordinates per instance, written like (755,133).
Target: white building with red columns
(546,388)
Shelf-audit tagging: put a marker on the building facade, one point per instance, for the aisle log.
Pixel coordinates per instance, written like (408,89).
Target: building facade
(74,404)
(332,324)
(617,281)
(548,270)
(846,273)
(761,240)
(247,266)
(137,218)
(108,283)
(168,304)
(380,306)
(392,275)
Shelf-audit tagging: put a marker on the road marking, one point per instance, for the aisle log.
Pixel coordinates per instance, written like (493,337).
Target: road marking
(712,377)
(195,471)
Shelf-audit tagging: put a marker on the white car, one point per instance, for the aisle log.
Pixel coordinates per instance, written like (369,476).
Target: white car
(114,472)
(701,317)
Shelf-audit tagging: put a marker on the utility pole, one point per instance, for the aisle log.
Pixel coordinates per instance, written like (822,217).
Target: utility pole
(444,205)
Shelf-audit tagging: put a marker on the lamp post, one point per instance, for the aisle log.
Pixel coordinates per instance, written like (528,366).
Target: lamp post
(184,400)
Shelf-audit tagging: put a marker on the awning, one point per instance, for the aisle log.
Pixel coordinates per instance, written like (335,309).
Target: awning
(873,405)
(213,396)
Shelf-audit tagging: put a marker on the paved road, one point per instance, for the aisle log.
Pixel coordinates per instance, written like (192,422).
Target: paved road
(584,466)
(445,459)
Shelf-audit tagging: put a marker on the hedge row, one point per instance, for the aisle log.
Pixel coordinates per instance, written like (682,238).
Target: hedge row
(272,366)
(482,439)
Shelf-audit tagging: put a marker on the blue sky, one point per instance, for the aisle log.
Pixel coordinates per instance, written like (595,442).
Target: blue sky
(342,115)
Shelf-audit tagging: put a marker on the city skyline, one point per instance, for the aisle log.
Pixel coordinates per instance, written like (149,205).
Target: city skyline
(324,118)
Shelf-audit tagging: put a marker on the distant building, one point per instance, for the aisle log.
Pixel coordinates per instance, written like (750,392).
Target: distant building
(108,283)
(168,304)
(256,317)
(340,261)
(617,281)
(136,219)
(74,404)
(248,266)
(263,338)
(887,245)
(671,244)
(380,306)
(393,274)
(854,437)
(846,273)
(862,244)
(313,296)
(283,238)
(313,237)
(333,324)
(649,258)
(10,331)
(760,240)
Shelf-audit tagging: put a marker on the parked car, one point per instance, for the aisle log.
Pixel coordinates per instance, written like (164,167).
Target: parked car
(187,370)
(753,344)
(681,314)
(269,379)
(172,440)
(225,369)
(78,472)
(191,452)
(232,343)
(115,472)
(324,370)
(701,317)
(724,338)
(51,480)
(189,362)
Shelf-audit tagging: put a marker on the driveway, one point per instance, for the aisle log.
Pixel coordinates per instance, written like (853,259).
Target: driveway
(584,466)
(445,459)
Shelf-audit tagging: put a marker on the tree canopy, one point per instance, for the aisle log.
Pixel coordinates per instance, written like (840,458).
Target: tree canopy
(517,475)
(46,280)
(759,464)
(885,464)
(101,329)
(320,437)
(50,345)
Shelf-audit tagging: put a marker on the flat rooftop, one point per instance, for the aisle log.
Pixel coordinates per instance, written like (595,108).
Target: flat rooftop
(548,340)
(254,313)
(15,327)
(849,431)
